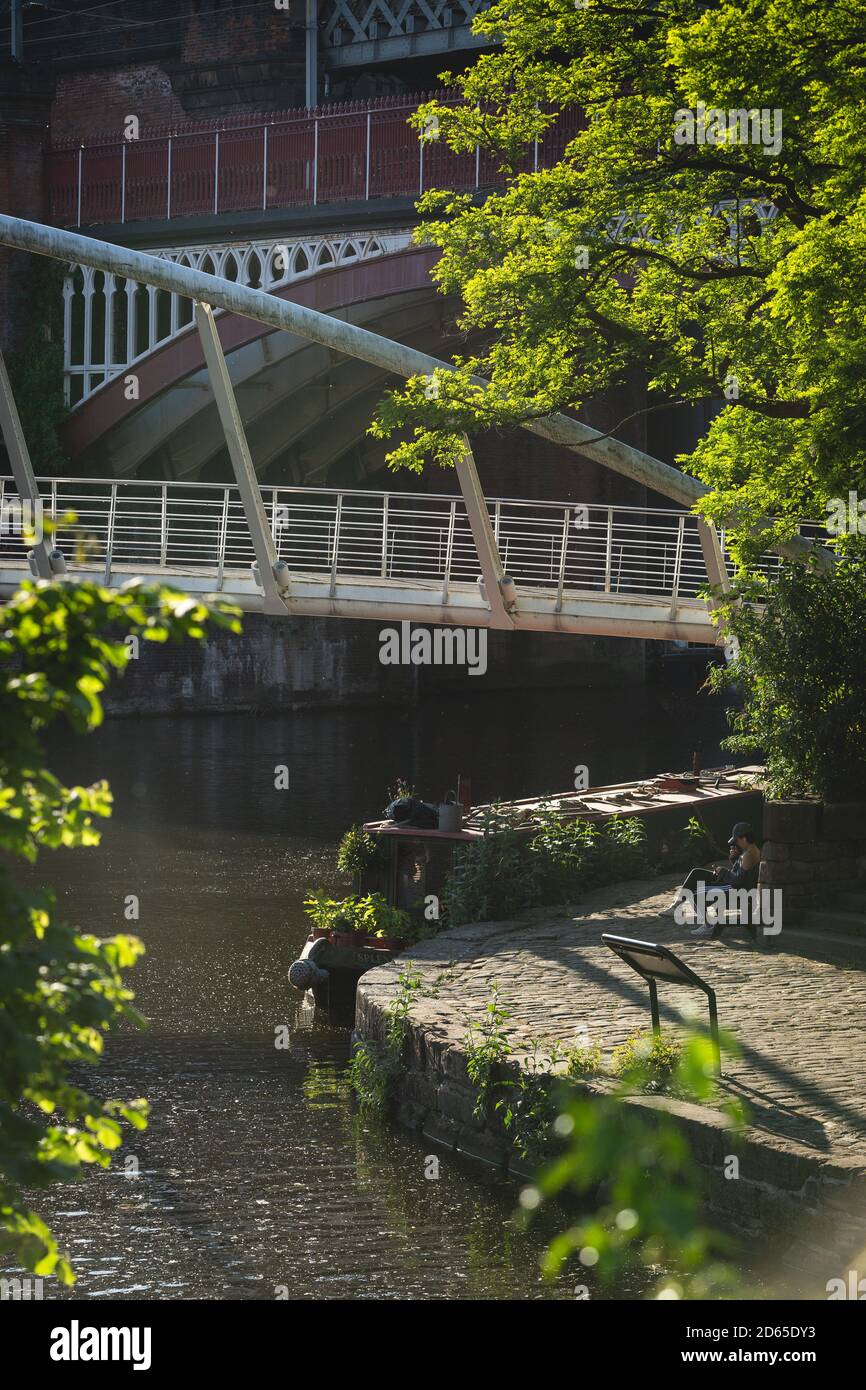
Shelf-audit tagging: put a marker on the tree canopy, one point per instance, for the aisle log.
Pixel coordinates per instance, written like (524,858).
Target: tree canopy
(705,231)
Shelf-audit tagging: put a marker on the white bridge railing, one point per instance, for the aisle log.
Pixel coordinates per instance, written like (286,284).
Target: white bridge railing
(152,527)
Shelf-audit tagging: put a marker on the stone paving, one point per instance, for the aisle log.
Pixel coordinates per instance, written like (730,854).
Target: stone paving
(801,1023)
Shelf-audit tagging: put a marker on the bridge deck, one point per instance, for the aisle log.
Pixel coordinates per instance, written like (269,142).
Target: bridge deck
(605,570)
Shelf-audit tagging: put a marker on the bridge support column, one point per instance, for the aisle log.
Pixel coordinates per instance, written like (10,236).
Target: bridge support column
(273,573)
(485,542)
(40,556)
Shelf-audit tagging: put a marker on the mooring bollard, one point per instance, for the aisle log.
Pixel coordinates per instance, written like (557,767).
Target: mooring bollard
(304,973)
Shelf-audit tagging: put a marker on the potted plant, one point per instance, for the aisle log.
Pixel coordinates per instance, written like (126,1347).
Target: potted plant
(343,932)
(321,909)
(358,851)
(358,921)
(387,927)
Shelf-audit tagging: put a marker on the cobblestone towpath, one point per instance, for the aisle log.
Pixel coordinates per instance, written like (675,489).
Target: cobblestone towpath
(800,1024)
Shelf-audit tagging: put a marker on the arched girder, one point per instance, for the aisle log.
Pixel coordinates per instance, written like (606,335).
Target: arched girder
(319,443)
(346,292)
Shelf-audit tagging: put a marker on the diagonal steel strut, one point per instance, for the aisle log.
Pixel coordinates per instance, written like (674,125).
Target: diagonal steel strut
(22,469)
(482,533)
(267,559)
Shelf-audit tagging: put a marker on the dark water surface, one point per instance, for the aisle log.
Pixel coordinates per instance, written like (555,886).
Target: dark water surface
(256,1175)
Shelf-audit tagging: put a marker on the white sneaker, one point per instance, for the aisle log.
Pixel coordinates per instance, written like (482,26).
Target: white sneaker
(702,933)
(670,910)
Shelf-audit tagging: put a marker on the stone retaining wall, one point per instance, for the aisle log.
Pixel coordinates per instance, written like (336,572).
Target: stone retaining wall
(780,1187)
(799,1199)
(812,850)
(330,663)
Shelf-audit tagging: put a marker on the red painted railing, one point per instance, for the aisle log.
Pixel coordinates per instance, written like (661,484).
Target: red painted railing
(334,154)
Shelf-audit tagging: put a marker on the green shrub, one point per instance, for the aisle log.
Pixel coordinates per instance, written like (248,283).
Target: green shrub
(321,909)
(493,878)
(800,676)
(370,915)
(373,915)
(505,872)
(376,1067)
(576,855)
(695,845)
(647,1061)
(487,1048)
(530,1103)
(562,850)
(619,852)
(527,1103)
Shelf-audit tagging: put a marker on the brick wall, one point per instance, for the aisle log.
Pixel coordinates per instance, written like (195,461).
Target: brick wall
(24,106)
(812,850)
(245,60)
(143,90)
(228,61)
(224,32)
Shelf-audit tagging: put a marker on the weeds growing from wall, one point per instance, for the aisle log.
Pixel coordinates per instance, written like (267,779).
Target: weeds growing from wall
(377,1064)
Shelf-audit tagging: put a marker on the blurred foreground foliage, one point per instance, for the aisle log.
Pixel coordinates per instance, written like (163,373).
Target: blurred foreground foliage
(61,988)
(635,1164)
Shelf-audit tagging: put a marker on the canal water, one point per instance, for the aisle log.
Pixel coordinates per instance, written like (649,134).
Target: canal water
(256,1178)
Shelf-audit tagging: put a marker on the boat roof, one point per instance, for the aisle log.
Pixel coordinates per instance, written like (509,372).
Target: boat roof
(637,798)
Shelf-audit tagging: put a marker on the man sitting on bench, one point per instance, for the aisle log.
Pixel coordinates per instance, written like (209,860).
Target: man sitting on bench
(741,874)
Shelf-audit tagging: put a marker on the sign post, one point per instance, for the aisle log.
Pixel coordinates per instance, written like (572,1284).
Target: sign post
(653,963)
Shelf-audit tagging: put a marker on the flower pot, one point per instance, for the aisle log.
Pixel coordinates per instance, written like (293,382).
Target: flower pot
(343,938)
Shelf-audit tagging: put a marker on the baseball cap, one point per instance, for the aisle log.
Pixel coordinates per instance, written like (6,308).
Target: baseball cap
(742,827)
